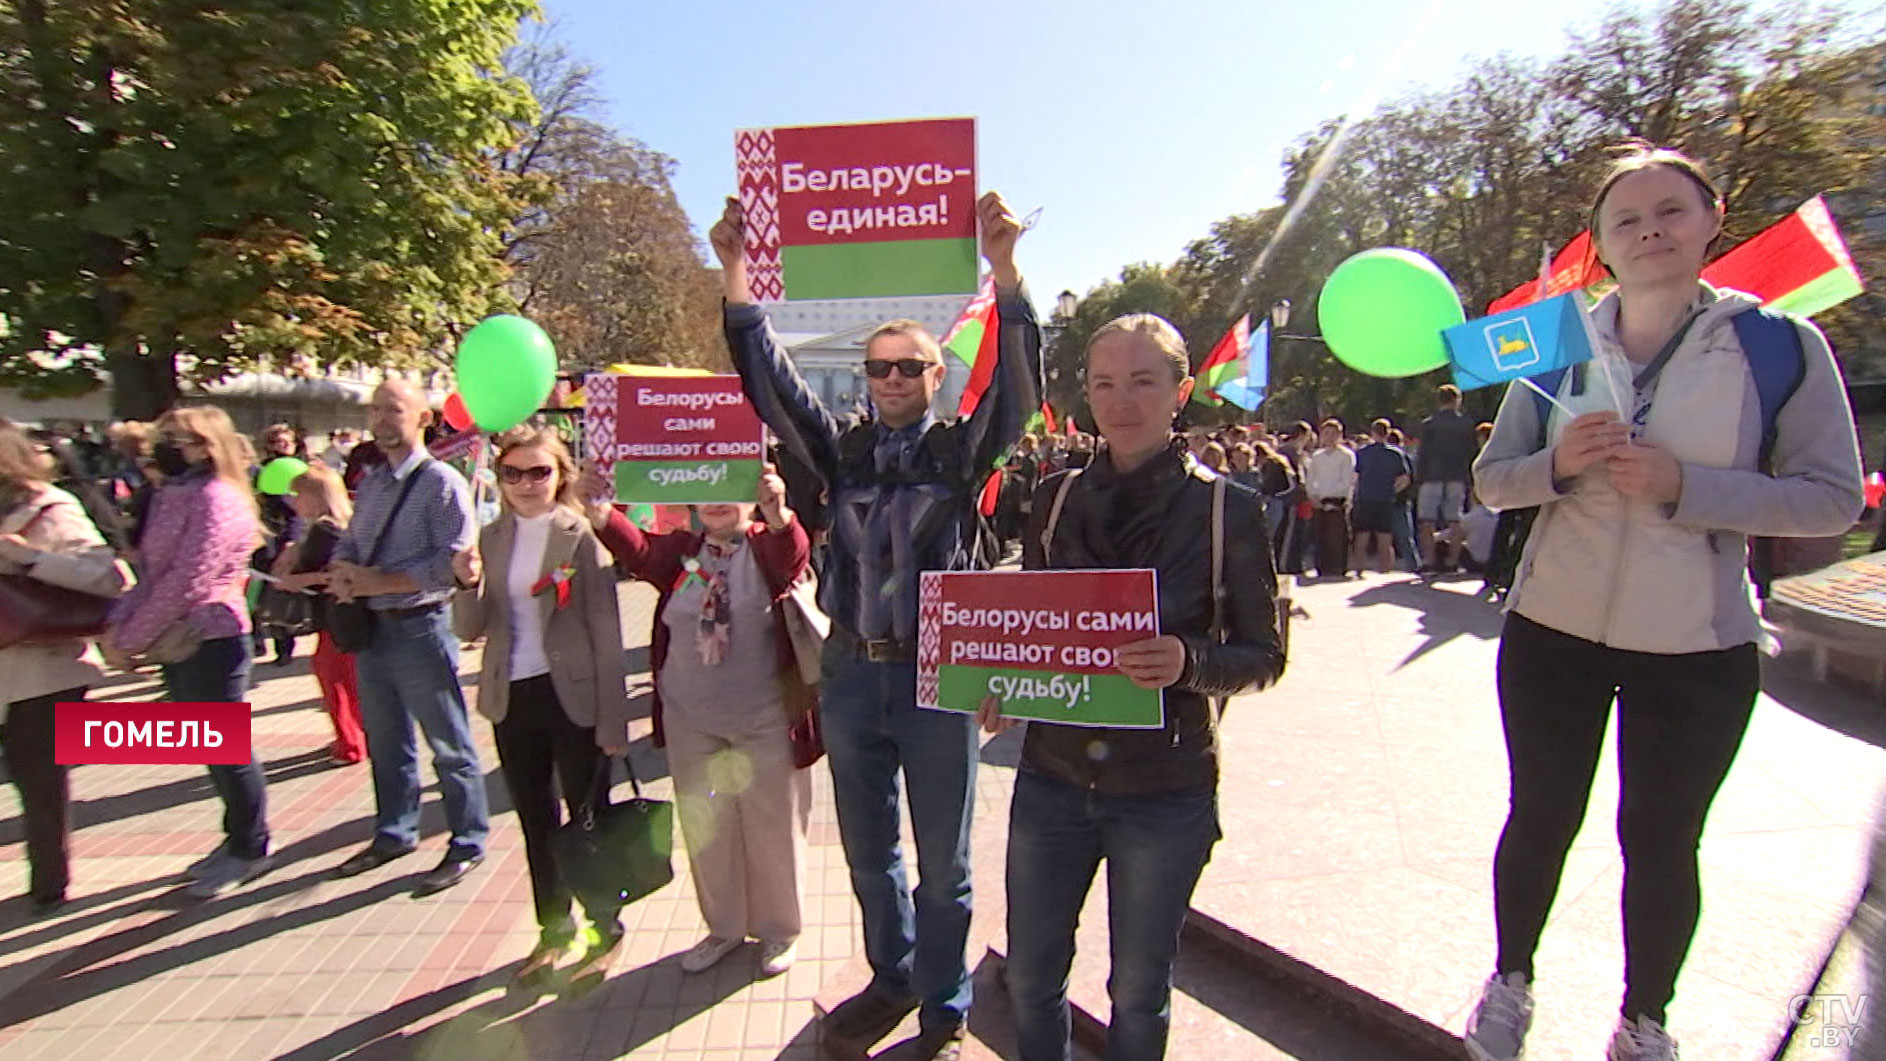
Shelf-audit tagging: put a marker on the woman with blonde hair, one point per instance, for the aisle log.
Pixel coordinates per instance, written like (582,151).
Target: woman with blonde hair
(541,591)
(320,501)
(46,536)
(202,529)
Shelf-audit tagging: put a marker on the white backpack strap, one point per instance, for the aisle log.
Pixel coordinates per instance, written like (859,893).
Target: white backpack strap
(1054,512)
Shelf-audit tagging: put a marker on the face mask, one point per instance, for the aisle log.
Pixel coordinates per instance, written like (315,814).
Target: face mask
(169,458)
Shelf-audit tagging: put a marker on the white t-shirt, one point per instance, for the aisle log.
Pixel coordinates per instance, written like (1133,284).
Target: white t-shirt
(527,629)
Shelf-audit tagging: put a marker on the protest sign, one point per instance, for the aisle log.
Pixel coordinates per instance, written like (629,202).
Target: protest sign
(859,211)
(1042,642)
(1521,343)
(674,440)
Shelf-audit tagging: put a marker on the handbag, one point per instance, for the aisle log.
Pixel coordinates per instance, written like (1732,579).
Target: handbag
(31,610)
(618,852)
(807,625)
(349,624)
(292,614)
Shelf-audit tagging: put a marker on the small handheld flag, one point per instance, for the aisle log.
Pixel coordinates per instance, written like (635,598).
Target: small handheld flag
(1520,343)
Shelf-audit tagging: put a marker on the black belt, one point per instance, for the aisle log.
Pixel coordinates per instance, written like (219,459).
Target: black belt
(882,651)
(408,613)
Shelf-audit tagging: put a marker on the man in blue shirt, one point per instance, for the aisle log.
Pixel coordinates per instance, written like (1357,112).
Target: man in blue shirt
(400,564)
(903,490)
(1382,471)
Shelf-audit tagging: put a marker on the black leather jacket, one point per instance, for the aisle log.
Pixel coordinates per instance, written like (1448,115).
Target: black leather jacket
(1159,516)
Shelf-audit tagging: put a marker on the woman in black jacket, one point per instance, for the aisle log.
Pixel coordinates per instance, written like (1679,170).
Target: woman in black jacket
(1145,800)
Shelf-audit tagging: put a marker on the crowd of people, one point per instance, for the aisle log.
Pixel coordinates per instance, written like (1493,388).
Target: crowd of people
(1633,588)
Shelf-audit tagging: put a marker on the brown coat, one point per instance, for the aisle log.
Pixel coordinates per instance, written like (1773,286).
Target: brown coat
(70,553)
(582,641)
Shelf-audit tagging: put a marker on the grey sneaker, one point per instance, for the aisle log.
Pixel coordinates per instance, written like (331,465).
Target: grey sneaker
(197,869)
(227,874)
(1497,1029)
(1642,1040)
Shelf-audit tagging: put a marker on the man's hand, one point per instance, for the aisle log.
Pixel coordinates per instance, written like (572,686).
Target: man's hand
(1646,472)
(1153,663)
(772,499)
(1588,440)
(1000,229)
(729,237)
(347,580)
(468,567)
(299,583)
(989,716)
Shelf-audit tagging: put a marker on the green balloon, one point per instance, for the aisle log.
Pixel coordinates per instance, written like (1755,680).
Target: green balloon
(506,368)
(1382,313)
(280,474)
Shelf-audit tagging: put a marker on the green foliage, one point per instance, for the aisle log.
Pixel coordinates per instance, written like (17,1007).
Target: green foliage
(1480,176)
(212,186)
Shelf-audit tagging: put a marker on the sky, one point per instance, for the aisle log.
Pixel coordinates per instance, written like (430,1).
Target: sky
(1132,126)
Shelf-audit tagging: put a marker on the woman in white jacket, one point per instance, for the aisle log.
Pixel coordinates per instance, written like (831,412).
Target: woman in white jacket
(1634,584)
(46,536)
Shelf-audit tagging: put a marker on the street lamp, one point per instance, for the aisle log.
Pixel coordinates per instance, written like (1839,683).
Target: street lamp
(1279,314)
(1067,302)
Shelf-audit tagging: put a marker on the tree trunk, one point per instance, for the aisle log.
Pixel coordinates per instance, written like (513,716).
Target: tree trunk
(142,387)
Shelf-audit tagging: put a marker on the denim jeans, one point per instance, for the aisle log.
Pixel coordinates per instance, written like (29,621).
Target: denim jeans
(872,729)
(218,672)
(409,672)
(1155,847)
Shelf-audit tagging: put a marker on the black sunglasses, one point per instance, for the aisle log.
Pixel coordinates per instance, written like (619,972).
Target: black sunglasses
(909,367)
(513,475)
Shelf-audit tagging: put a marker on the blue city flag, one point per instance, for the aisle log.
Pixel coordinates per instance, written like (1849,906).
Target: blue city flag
(1529,341)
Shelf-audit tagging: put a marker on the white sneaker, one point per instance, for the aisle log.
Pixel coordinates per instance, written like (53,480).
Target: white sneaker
(227,874)
(708,953)
(776,957)
(1642,1040)
(1497,1029)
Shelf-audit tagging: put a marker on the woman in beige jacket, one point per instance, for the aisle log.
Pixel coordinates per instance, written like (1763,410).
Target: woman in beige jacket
(45,535)
(542,593)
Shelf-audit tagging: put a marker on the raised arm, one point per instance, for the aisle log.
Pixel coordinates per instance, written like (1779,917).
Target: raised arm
(1015,392)
(768,376)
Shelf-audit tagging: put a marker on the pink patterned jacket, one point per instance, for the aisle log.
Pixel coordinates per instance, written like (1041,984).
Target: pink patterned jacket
(195,561)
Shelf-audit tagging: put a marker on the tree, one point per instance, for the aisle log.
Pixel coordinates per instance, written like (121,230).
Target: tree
(206,189)
(603,255)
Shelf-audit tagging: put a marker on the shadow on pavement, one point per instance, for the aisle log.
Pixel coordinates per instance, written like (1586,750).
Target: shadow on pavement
(1789,682)
(1276,1016)
(168,795)
(1445,613)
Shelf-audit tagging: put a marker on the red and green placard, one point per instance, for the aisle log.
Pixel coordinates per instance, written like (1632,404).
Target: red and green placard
(688,440)
(859,211)
(1042,642)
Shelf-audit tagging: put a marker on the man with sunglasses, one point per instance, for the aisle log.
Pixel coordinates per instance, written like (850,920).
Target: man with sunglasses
(903,489)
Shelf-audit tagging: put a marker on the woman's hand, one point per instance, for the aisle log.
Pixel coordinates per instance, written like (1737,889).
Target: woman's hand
(772,499)
(15,554)
(468,567)
(301,583)
(990,716)
(1587,440)
(285,563)
(1646,472)
(595,490)
(1153,663)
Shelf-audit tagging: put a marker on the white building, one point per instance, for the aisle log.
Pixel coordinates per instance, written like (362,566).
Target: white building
(826,341)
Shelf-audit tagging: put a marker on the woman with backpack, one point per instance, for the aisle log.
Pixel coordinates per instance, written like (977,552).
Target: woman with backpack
(1633,585)
(1143,800)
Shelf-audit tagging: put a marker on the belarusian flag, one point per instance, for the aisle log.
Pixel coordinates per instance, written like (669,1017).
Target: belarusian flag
(1572,269)
(972,340)
(1227,361)
(1798,265)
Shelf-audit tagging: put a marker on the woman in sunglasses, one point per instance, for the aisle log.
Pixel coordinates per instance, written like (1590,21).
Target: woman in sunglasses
(553,681)
(728,704)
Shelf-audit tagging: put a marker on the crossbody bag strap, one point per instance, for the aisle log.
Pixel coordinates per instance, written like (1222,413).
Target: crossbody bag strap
(1054,511)
(412,478)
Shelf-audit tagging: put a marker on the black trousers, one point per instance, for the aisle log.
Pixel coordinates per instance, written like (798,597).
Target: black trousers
(45,790)
(1680,722)
(541,752)
(1331,524)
